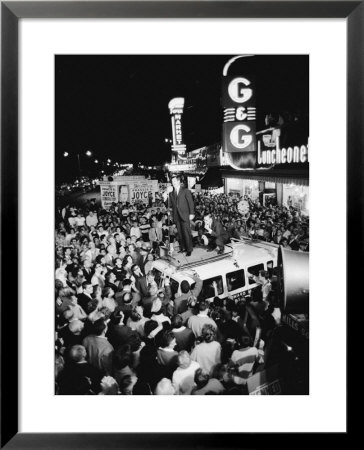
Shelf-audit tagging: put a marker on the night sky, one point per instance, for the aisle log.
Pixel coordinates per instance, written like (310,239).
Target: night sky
(117,106)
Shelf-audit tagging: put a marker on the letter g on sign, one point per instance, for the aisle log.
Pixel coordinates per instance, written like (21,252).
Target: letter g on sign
(239,137)
(238,91)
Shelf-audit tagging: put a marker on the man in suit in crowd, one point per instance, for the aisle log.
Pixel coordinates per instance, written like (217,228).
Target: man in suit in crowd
(142,257)
(217,234)
(85,297)
(181,202)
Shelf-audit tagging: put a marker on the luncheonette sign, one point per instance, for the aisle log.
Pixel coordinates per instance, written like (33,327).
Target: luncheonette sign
(239,138)
(269,154)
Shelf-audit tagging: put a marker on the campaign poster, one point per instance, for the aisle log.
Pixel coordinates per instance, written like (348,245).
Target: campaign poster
(109,195)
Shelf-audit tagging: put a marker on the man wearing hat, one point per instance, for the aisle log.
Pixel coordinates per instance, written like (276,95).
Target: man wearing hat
(181,201)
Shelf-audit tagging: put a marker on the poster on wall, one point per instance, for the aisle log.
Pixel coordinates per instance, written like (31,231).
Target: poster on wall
(141,192)
(109,195)
(123,193)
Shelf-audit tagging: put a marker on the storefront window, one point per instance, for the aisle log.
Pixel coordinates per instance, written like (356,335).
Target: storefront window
(296,196)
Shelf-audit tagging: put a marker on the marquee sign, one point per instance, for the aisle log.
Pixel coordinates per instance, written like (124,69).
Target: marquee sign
(238,102)
(176,110)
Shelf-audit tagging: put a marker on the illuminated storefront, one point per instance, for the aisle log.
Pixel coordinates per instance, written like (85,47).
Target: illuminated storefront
(243,187)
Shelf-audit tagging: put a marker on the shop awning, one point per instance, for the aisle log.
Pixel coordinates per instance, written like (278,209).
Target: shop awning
(298,177)
(212,179)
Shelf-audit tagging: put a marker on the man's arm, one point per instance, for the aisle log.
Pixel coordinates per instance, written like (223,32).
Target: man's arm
(198,286)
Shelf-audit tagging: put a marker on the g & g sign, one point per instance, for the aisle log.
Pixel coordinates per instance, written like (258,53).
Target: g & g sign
(238,101)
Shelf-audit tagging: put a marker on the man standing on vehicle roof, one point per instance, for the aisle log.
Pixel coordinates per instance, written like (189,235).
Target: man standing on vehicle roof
(181,201)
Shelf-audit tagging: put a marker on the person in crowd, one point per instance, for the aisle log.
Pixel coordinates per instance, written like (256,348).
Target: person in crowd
(108,300)
(208,352)
(140,280)
(185,338)
(78,376)
(165,387)
(88,270)
(182,204)
(183,377)
(157,311)
(166,355)
(98,348)
(149,371)
(109,386)
(136,321)
(205,385)
(91,219)
(122,362)
(118,333)
(197,322)
(263,280)
(110,281)
(218,236)
(181,302)
(86,295)
(245,358)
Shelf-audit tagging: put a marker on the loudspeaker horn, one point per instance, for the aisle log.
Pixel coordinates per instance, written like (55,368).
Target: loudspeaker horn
(293,281)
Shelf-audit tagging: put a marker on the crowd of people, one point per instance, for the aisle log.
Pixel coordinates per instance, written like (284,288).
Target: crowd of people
(121,329)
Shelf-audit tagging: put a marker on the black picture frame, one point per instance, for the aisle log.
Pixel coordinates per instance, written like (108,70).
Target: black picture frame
(11,12)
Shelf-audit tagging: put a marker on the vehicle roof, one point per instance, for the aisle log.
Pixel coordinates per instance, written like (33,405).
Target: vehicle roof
(237,256)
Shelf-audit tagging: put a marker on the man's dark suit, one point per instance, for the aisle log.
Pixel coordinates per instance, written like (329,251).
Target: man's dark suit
(182,206)
(88,274)
(83,300)
(141,260)
(220,234)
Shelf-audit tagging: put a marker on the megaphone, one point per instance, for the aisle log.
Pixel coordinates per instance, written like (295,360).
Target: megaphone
(293,278)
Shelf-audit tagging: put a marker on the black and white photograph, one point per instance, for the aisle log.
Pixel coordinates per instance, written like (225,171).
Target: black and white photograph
(182,224)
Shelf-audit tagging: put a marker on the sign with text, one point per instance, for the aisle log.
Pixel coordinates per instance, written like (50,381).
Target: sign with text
(238,102)
(274,154)
(109,195)
(142,191)
(176,110)
(239,137)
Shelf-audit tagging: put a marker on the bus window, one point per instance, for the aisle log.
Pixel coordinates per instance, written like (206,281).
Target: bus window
(254,270)
(158,277)
(235,280)
(270,268)
(174,288)
(208,289)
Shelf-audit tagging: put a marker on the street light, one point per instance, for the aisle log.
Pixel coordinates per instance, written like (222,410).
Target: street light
(96,161)
(87,153)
